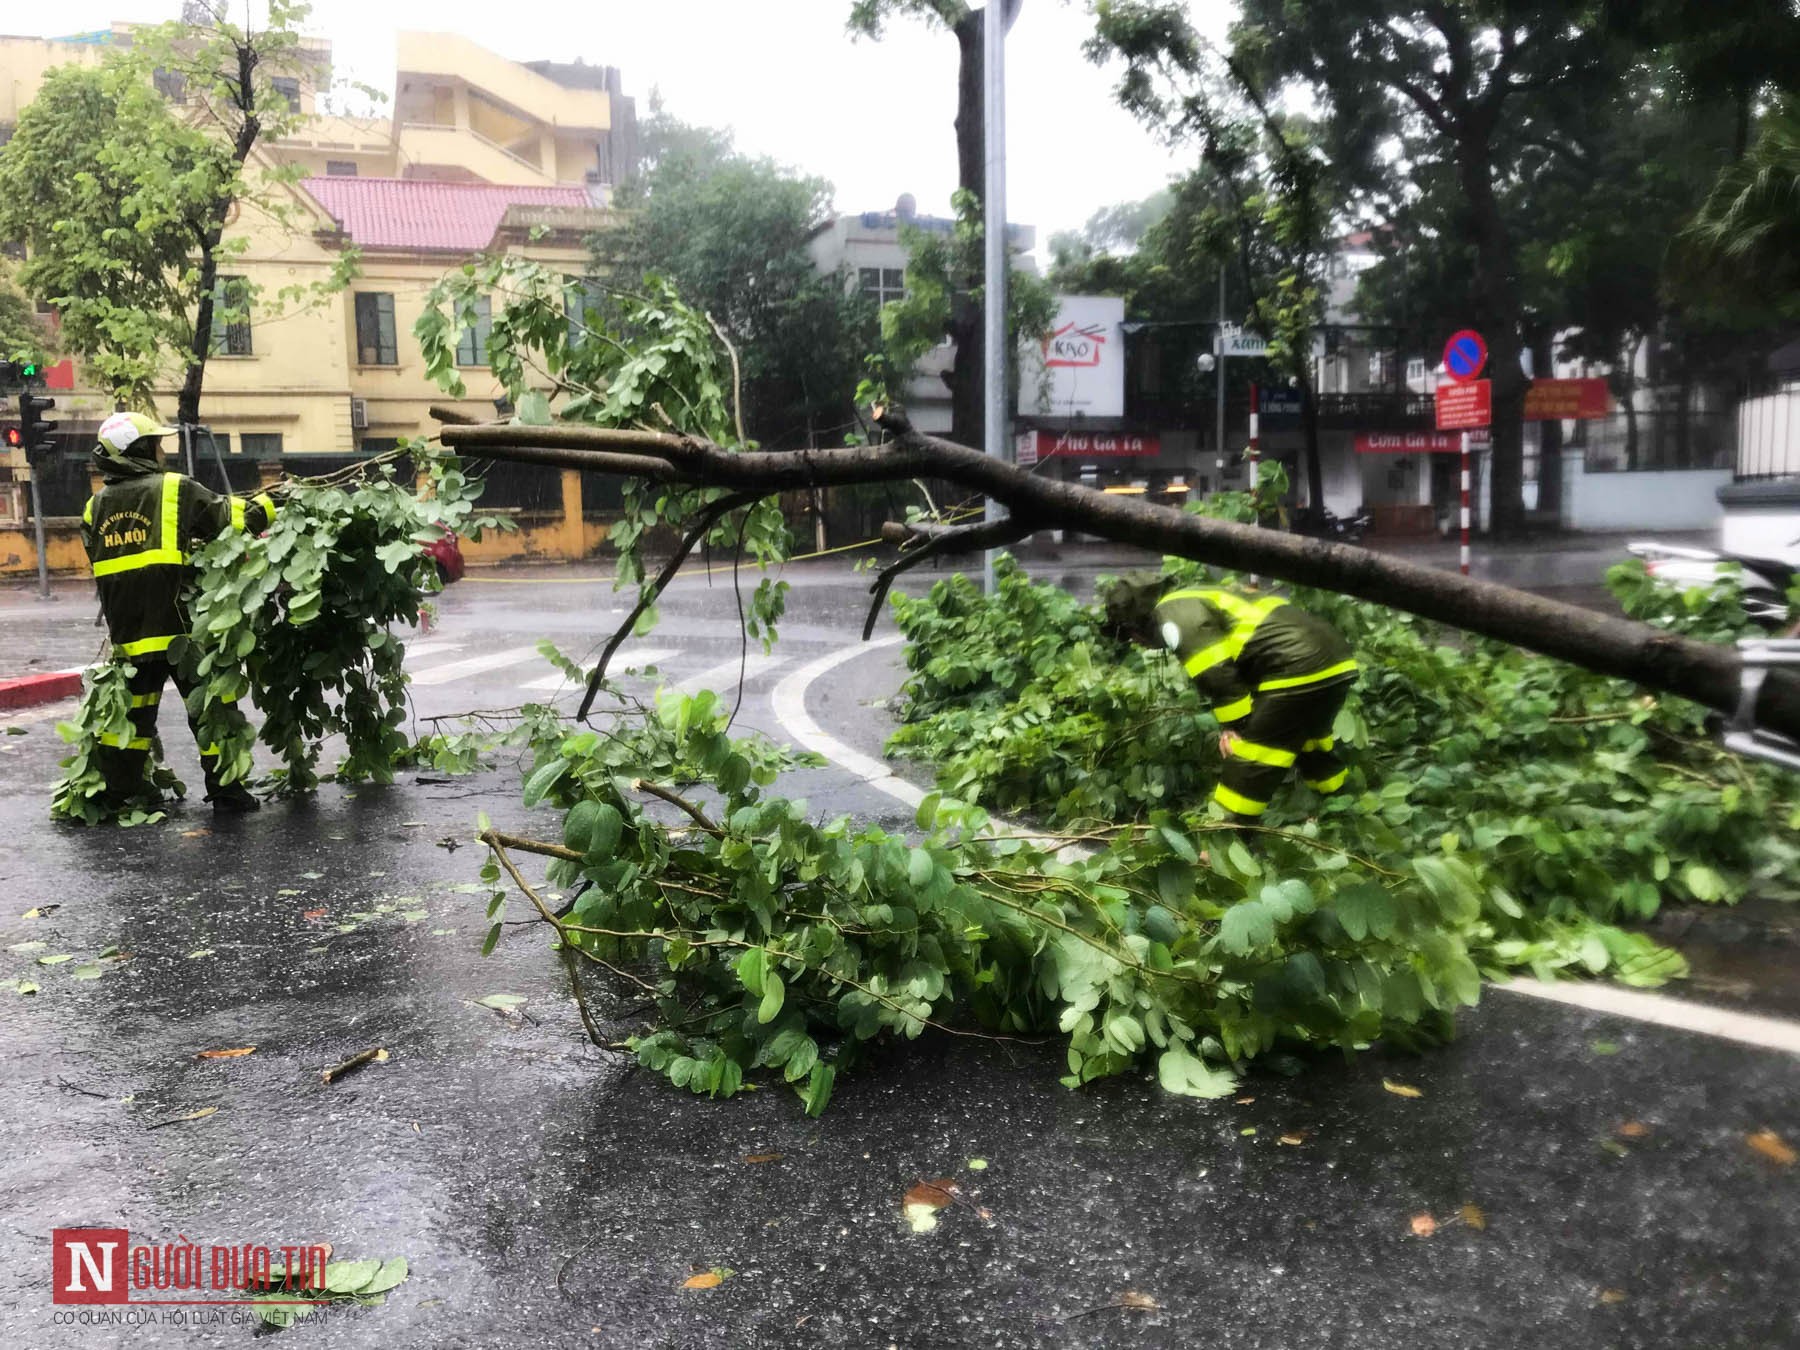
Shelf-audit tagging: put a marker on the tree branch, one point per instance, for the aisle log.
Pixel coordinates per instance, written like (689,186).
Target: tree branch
(1605,644)
(709,517)
(939,540)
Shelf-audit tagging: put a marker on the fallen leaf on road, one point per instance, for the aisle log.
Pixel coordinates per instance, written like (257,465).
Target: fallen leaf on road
(26,987)
(1604,1047)
(937,1194)
(204,951)
(1612,1295)
(1633,1129)
(1473,1217)
(976,1164)
(54,960)
(87,972)
(312,876)
(41,912)
(1773,1147)
(762,1157)
(1401,1089)
(501,1002)
(237,1052)
(1614,1147)
(290,892)
(201,1114)
(1132,1299)
(24,947)
(1423,1225)
(1293,1139)
(312,913)
(1243,1101)
(708,1279)
(200,833)
(1247,1131)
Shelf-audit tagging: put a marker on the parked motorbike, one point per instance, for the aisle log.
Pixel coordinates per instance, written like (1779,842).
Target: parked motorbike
(1324,524)
(1765,581)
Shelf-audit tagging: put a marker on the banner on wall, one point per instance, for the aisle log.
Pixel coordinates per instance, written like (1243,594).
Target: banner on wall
(1078,367)
(1087,445)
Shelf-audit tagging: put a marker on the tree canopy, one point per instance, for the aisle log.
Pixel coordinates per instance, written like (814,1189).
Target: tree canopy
(121,181)
(731,230)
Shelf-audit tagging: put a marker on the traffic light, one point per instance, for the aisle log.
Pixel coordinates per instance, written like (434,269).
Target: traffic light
(34,431)
(15,439)
(19,372)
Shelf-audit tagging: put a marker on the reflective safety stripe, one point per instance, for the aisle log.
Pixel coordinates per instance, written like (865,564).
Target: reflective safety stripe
(1331,784)
(1237,803)
(87,512)
(145,646)
(237,513)
(1294,682)
(1262,754)
(211,752)
(168,552)
(1232,712)
(1207,657)
(1323,743)
(122,743)
(145,700)
(267,503)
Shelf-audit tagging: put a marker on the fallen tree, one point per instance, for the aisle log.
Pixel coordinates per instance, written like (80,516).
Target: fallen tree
(1646,655)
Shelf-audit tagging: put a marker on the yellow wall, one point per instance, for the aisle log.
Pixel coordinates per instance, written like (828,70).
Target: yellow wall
(24,61)
(447,58)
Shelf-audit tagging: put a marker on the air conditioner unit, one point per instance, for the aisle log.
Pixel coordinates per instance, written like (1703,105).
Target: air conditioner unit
(359,414)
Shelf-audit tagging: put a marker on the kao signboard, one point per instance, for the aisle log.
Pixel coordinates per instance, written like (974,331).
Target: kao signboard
(1078,367)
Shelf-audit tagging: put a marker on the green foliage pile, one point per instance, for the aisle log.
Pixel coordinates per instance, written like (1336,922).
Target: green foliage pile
(772,940)
(298,621)
(1574,795)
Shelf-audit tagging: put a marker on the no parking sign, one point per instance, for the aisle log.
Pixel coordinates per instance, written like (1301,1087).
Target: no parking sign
(1464,356)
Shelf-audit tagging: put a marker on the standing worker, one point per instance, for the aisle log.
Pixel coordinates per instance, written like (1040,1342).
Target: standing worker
(1275,674)
(140,530)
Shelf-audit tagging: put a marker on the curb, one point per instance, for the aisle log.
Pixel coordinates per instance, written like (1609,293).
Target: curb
(29,690)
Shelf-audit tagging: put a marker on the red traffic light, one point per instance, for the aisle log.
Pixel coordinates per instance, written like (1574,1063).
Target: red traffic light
(14,438)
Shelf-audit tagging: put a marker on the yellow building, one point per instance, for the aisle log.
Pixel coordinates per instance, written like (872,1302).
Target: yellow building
(481,154)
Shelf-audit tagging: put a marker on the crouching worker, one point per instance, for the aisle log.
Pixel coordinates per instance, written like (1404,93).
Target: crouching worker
(140,530)
(1276,677)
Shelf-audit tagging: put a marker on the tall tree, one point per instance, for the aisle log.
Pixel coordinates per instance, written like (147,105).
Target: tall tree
(1470,83)
(731,231)
(1745,241)
(123,180)
(1277,192)
(966,24)
(23,336)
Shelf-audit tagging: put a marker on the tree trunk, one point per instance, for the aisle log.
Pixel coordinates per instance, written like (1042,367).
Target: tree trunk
(1495,284)
(187,404)
(1602,643)
(967,374)
(1309,429)
(1550,434)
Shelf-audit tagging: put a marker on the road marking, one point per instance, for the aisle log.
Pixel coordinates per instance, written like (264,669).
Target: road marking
(724,676)
(432,647)
(1765,1033)
(476,665)
(625,660)
(789,700)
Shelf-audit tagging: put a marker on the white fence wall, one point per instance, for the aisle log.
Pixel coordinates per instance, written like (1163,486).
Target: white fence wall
(1650,499)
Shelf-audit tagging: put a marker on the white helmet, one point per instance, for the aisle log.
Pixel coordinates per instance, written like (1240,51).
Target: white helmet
(120,432)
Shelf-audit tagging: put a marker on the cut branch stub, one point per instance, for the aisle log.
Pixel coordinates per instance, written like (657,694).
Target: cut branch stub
(1605,644)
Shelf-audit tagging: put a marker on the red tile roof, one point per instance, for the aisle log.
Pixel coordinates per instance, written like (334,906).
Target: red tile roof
(403,213)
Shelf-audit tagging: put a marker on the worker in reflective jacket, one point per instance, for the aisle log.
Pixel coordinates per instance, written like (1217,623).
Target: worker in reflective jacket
(140,530)
(1276,677)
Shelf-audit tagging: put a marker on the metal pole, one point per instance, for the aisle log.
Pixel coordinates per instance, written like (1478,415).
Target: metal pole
(994,364)
(1219,354)
(1465,503)
(37,525)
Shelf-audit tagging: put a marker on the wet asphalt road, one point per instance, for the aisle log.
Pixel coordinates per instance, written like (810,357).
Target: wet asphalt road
(545,1194)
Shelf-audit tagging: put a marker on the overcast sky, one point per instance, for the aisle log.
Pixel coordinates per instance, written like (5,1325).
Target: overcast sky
(874,118)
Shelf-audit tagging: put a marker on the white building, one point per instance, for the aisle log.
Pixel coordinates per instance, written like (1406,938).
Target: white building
(867,248)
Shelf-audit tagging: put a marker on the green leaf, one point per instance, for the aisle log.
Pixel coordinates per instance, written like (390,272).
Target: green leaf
(503,1002)
(750,969)
(1704,883)
(1366,910)
(774,992)
(392,1272)
(347,1277)
(1187,1075)
(543,779)
(1246,927)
